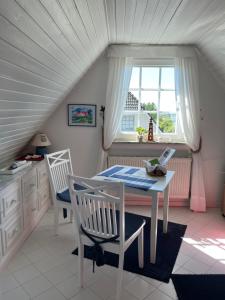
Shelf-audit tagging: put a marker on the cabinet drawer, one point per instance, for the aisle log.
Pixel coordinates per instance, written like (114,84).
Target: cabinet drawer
(30,212)
(42,175)
(10,200)
(43,196)
(1,245)
(29,183)
(11,233)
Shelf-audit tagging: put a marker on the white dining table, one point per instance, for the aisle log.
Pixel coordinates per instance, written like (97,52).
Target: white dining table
(161,185)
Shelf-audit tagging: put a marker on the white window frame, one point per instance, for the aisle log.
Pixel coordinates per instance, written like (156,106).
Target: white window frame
(160,137)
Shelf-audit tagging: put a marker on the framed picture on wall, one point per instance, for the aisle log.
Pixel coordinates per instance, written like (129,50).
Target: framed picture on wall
(82,115)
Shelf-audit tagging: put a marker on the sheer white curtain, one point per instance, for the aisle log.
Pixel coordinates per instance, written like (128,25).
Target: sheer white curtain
(119,76)
(187,89)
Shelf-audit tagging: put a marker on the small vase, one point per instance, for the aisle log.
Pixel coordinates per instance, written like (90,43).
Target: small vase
(140,138)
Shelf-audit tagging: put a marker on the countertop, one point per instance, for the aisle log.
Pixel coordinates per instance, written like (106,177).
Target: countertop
(5,180)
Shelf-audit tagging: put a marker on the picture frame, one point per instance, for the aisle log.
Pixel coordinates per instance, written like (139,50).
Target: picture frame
(82,115)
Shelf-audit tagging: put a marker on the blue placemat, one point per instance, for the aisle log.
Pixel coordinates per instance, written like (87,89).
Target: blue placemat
(111,171)
(131,171)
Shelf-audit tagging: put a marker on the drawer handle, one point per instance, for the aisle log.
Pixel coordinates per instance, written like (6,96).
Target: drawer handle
(32,184)
(13,233)
(33,209)
(11,202)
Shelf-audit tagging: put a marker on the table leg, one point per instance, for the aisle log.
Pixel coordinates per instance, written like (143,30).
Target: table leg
(165,209)
(154,226)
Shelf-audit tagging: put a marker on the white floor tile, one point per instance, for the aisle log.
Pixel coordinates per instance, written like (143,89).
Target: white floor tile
(182,259)
(168,289)
(18,262)
(26,274)
(29,246)
(70,287)
(37,285)
(152,281)
(217,268)
(112,272)
(125,295)
(90,278)
(104,287)
(196,266)
(48,262)
(15,294)
(72,263)
(139,288)
(182,270)
(158,295)
(86,294)
(51,294)
(58,274)
(7,282)
(36,255)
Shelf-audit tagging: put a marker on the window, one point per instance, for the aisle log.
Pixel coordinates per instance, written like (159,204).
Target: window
(128,123)
(151,94)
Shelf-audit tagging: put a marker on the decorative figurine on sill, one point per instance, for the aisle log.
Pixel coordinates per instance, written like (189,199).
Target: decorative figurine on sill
(150,130)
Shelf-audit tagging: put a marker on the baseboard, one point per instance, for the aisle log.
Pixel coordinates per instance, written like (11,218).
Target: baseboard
(132,199)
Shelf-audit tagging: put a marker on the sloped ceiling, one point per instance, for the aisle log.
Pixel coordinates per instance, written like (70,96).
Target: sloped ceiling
(47,45)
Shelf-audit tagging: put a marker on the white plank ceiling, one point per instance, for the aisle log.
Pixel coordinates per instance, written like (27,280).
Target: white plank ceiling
(47,45)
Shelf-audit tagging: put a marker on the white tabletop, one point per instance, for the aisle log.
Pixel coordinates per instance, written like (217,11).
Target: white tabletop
(159,186)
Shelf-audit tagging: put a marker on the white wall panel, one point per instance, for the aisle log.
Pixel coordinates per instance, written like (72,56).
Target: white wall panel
(45,47)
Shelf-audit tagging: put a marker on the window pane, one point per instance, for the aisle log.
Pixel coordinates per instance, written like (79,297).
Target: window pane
(167,78)
(145,118)
(134,81)
(167,122)
(128,123)
(167,101)
(150,78)
(149,100)
(132,101)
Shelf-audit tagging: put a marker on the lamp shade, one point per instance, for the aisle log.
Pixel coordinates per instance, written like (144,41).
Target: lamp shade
(41,140)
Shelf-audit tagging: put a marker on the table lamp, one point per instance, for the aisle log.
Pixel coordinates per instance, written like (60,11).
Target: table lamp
(41,141)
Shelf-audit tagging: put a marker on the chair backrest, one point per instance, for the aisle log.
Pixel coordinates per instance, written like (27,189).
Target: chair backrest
(59,166)
(95,206)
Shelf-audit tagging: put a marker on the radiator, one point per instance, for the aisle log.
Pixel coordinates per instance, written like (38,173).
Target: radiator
(180,185)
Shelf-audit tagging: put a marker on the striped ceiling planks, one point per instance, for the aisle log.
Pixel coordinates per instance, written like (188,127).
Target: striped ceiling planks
(47,45)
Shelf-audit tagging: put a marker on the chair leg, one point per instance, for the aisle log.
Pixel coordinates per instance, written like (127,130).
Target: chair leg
(141,249)
(120,276)
(56,219)
(81,264)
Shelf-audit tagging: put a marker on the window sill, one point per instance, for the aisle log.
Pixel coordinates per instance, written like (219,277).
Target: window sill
(153,149)
(148,143)
(158,140)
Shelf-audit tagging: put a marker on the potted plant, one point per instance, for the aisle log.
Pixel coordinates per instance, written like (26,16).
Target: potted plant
(140,133)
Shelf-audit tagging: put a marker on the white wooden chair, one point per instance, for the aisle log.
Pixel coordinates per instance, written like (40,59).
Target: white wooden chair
(99,209)
(59,166)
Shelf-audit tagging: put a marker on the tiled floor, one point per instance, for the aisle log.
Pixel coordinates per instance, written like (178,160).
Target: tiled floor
(44,268)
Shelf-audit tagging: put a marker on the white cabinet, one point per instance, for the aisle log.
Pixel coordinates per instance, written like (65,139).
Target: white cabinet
(1,245)
(43,187)
(11,232)
(23,201)
(30,197)
(10,201)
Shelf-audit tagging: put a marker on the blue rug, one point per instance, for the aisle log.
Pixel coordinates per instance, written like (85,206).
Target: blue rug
(168,246)
(199,287)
